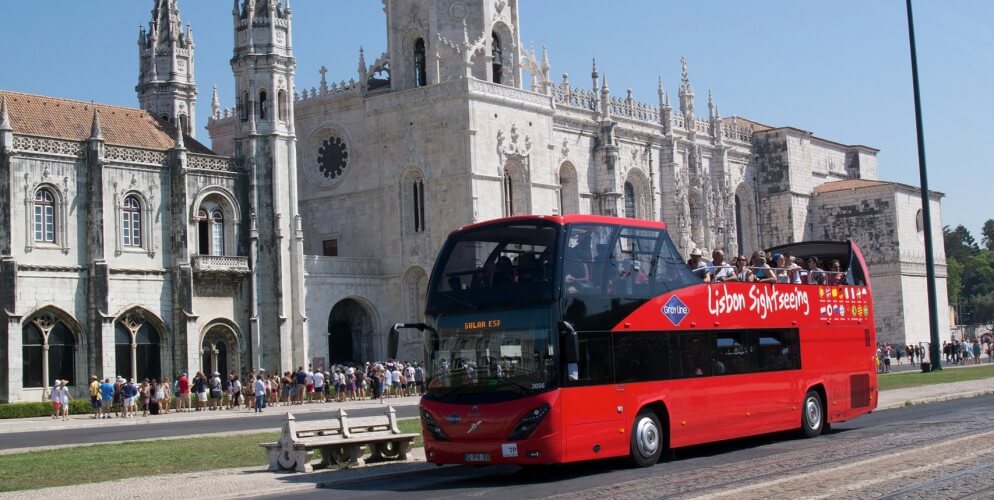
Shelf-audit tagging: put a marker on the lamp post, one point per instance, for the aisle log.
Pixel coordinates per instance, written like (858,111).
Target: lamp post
(933,315)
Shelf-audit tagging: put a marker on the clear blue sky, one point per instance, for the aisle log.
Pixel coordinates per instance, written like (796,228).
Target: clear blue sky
(840,69)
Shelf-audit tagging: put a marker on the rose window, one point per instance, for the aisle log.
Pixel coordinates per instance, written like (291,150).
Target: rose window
(333,157)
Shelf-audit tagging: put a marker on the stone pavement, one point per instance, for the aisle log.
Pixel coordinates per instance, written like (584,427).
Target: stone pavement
(81,421)
(252,481)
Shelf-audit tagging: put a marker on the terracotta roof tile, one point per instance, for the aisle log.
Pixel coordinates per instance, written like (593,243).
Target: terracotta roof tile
(843,185)
(71,120)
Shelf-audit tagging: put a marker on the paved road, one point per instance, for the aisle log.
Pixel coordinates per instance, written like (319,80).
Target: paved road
(943,450)
(237,422)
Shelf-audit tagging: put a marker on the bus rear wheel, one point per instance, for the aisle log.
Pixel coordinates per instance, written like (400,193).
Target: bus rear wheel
(812,415)
(646,440)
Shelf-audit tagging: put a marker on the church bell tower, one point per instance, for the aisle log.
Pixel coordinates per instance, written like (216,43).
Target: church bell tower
(166,86)
(265,148)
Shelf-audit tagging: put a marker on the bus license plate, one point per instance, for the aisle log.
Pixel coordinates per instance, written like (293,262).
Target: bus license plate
(476,457)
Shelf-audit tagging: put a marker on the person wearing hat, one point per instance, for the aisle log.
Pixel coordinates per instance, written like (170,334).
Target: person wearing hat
(780,268)
(696,263)
(214,385)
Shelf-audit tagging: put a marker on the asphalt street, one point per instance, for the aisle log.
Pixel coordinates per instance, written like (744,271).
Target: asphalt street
(760,467)
(152,430)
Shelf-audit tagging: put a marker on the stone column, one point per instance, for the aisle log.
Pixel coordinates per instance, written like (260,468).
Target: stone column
(108,360)
(134,359)
(12,370)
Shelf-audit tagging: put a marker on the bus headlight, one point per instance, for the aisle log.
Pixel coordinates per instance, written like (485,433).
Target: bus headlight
(432,425)
(529,422)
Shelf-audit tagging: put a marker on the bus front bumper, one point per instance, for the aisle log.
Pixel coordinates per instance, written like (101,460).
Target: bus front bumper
(546,449)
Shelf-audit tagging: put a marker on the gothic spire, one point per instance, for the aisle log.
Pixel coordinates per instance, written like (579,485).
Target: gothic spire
(4,117)
(686,91)
(215,104)
(179,138)
(95,133)
(362,65)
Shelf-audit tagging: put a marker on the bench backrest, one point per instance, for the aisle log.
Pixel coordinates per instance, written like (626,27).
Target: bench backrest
(294,431)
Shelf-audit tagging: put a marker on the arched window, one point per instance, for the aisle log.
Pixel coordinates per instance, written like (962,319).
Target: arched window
(283,105)
(243,106)
(263,105)
(203,232)
(214,356)
(122,351)
(418,204)
(498,57)
(508,194)
(32,351)
(420,63)
(569,194)
(47,342)
(147,360)
(45,216)
(131,225)
(217,233)
(629,200)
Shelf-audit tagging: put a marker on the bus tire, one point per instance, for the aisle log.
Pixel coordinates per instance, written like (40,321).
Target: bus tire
(812,415)
(647,439)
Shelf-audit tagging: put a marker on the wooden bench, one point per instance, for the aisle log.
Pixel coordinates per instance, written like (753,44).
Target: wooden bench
(338,441)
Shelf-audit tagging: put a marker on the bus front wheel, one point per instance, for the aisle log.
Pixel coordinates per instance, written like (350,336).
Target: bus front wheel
(646,440)
(812,415)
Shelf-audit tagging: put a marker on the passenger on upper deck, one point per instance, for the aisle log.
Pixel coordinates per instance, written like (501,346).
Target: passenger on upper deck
(814,276)
(760,269)
(696,263)
(835,274)
(718,269)
(780,268)
(743,273)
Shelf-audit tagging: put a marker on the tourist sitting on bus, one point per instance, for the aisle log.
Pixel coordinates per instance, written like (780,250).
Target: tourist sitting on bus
(793,268)
(835,275)
(814,275)
(529,269)
(780,269)
(479,279)
(743,273)
(760,269)
(718,269)
(697,264)
(577,264)
(455,283)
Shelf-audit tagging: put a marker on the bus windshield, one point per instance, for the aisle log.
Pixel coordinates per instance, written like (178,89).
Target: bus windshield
(501,264)
(500,356)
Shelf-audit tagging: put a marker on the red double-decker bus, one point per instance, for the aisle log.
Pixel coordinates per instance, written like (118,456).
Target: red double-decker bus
(559,339)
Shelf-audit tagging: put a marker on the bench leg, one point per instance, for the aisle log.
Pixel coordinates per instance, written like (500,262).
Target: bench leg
(402,448)
(303,461)
(354,454)
(375,453)
(274,458)
(327,457)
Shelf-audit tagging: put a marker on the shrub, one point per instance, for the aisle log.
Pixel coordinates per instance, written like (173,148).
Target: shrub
(41,409)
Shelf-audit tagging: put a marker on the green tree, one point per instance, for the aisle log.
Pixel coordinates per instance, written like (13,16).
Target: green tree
(982,309)
(978,275)
(988,234)
(959,243)
(954,279)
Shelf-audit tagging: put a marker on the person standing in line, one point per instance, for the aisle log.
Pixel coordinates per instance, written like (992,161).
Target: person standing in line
(183,393)
(260,393)
(55,396)
(318,379)
(106,398)
(409,377)
(167,396)
(95,396)
(145,394)
(419,379)
(214,386)
(65,397)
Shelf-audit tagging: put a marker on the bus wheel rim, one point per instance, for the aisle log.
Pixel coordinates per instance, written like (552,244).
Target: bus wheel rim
(647,437)
(814,413)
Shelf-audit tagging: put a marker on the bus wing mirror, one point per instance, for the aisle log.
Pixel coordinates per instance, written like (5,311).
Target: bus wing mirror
(570,342)
(393,340)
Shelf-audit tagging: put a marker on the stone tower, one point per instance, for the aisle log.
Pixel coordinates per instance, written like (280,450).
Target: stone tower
(265,148)
(438,40)
(166,85)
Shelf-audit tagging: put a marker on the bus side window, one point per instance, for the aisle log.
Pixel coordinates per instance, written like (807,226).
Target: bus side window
(596,363)
(856,276)
(775,350)
(730,355)
(641,356)
(690,355)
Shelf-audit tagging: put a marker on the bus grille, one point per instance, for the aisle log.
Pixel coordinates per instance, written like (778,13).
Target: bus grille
(860,385)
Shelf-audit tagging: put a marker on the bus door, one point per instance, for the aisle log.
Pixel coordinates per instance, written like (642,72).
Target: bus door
(594,417)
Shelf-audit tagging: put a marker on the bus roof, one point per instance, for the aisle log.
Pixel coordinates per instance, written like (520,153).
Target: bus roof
(570,219)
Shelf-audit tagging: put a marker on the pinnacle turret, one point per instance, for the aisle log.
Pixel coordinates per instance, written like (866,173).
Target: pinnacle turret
(686,91)
(166,86)
(4,117)
(96,134)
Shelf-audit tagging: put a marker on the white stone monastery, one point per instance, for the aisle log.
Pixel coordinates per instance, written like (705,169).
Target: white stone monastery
(311,223)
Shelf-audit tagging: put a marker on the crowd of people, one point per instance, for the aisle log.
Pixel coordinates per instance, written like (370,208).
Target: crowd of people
(257,390)
(785,268)
(956,352)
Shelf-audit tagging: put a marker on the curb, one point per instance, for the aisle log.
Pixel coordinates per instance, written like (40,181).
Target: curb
(936,399)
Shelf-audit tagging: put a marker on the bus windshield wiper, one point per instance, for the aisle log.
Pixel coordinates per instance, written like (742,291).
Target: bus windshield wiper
(459,301)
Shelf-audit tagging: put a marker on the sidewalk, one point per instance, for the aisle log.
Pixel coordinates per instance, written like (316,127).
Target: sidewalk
(83,421)
(253,481)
